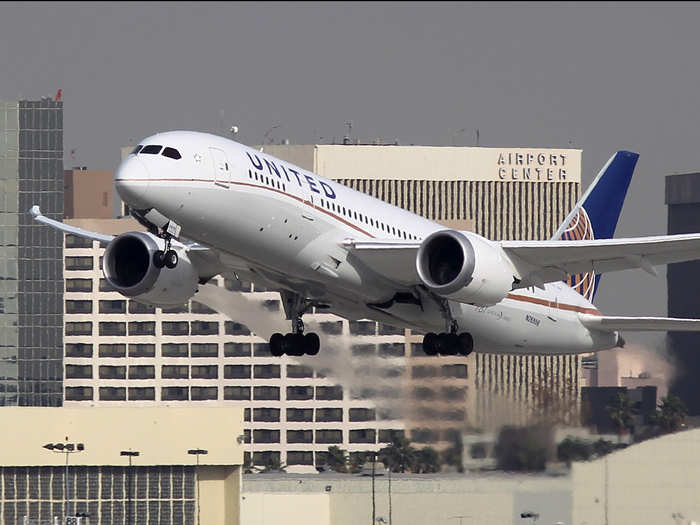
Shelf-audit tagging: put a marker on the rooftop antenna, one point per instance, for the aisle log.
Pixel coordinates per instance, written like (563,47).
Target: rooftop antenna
(477,137)
(346,139)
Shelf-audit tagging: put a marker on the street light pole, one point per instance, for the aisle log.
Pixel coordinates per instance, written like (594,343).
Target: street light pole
(65,448)
(197,452)
(130,454)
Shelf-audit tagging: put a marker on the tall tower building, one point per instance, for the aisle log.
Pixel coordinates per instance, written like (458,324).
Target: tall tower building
(31,255)
(683,201)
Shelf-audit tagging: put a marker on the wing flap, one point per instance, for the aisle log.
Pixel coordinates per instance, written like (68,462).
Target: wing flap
(639,324)
(394,260)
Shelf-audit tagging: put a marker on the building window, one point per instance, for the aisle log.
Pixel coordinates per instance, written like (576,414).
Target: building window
(73,241)
(205,328)
(112,393)
(237,393)
(300,393)
(175,328)
(362,327)
(362,414)
(387,329)
(177,309)
(332,327)
(174,350)
(423,393)
(105,286)
(424,435)
(365,350)
(112,350)
(142,328)
(205,372)
(136,307)
(388,435)
(273,305)
(78,307)
(329,393)
(78,285)
(266,414)
(174,372)
(236,371)
(142,350)
(236,349)
(300,436)
(268,457)
(453,415)
(423,371)
(112,328)
(174,393)
(205,350)
(78,371)
(261,350)
(299,371)
(199,308)
(299,457)
(329,414)
(79,393)
(266,371)
(233,328)
(142,393)
(113,307)
(300,414)
(391,350)
(142,372)
(203,393)
(79,263)
(81,328)
(453,371)
(112,372)
(329,436)
(266,393)
(235,285)
(451,393)
(78,350)
(365,435)
(266,435)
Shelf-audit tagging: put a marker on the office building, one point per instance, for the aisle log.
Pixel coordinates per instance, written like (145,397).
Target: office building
(683,201)
(89,194)
(31,258)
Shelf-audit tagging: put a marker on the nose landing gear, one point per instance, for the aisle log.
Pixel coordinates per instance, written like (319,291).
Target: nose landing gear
(167,257)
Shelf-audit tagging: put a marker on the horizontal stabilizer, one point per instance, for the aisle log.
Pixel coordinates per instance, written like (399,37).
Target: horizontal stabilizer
(639,324)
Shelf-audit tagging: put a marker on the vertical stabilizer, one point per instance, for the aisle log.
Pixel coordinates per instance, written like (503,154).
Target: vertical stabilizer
(596,213)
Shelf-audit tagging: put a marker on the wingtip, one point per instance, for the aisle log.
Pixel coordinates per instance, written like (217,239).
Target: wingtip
(35,210)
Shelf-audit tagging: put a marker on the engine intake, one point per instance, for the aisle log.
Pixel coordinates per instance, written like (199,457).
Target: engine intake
(128,266)
(464,267)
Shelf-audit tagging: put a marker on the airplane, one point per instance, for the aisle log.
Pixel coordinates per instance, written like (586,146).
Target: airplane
(214,206)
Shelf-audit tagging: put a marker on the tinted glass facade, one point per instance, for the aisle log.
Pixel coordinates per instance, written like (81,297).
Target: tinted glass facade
(31,255)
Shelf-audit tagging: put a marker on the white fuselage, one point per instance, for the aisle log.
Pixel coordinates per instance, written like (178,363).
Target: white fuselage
(286,226)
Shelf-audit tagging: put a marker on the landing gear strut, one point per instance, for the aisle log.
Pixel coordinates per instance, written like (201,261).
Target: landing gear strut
(167,257)
(296,342)
(448,342)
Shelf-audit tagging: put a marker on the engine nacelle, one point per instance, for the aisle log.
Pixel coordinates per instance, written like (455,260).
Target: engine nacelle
(128,266)
(467,269)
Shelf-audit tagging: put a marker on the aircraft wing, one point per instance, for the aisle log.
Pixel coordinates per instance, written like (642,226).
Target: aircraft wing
(639,324)
(67,228)
(393,259)
(546,261)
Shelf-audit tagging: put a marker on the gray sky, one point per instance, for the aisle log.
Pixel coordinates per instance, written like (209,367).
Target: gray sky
(599,77)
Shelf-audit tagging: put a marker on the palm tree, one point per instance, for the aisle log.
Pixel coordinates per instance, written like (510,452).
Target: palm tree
(337,459)
(671,413)
(426,461)
(621,411)
(399,456)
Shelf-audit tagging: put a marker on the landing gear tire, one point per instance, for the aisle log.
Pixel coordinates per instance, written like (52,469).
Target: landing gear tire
(277,345)
(429,344)
(312,343)
(170,259)
(159,259)
(465,343)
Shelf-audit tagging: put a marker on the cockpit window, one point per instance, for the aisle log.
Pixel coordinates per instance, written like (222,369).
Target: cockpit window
(151,149)
(172,153)
(137,149)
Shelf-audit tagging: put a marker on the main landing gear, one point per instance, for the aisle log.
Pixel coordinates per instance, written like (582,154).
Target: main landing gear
(448,342)
(296,343)
(167,257)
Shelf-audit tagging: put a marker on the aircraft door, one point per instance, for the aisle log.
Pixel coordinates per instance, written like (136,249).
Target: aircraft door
(222,168)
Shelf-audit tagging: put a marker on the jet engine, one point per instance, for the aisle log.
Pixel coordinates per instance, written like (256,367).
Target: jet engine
(129,266)
(464,268)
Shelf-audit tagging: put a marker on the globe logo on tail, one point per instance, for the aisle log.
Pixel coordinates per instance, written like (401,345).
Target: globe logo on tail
(581,229)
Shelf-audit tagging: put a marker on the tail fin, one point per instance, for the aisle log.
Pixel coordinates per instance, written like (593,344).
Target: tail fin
(596,213)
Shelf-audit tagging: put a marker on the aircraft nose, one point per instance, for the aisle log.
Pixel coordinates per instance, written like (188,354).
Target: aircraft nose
(131,182)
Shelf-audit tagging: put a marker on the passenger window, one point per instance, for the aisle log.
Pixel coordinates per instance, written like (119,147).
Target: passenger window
(137,149)
(172,153)
(152,149)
